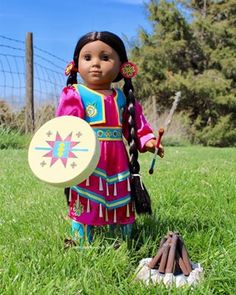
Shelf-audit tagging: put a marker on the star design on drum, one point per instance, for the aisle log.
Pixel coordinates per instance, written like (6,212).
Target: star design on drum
(61,149)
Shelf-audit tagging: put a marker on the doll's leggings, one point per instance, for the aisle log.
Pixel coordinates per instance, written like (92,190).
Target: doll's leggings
(82,232)
(126,229)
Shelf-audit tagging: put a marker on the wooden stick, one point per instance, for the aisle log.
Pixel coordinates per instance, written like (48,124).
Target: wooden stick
(164,257)
(181,264)
(177,268)
(153,263)
(160,133)
(171,256)
(184,254)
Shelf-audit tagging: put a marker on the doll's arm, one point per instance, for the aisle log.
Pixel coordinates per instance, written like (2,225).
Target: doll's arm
(70,103)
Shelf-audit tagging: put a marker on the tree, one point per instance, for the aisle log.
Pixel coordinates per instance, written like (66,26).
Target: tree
(215,27)
(196,57)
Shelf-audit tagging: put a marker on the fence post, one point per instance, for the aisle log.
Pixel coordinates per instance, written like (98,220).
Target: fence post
(29,82)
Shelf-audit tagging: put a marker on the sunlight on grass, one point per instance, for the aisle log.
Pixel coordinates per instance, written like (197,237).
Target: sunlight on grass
(193,191)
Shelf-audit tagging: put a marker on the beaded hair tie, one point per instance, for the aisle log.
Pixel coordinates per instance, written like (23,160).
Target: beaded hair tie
(70,68)
(128,70)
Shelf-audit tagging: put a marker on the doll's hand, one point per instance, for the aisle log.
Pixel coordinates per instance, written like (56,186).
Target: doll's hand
(150,146)
(161,151)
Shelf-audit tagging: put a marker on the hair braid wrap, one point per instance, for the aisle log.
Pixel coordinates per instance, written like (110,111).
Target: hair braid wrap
(138,191)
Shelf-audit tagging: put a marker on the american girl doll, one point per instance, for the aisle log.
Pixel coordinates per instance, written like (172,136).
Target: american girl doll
(105,197)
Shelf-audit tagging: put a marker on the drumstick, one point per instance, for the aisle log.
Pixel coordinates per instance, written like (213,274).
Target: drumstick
(160,133)
(166,125)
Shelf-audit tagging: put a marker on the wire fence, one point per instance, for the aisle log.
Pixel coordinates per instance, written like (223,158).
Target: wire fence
(48,81)
(49,76)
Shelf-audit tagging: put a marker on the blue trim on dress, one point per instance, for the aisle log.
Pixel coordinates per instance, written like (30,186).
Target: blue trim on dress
(111,179)
(99,199)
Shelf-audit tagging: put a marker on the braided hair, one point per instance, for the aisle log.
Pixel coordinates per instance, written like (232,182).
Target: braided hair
(138,191)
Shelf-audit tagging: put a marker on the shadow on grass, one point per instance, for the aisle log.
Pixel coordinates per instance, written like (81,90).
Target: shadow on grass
(149,230)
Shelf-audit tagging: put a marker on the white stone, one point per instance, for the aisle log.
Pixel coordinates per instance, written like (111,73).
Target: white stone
(180,280)
(168,279)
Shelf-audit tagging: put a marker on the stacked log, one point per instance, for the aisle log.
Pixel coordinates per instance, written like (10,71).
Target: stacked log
(170,265)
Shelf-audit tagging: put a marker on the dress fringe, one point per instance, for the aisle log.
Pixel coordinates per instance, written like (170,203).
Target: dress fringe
(87,182)
(100,211)
(127,211)
(100,184)
(107,188)
(128,185)
(115,219)
(115,190)
(106,217)
(70,195)
(88,206)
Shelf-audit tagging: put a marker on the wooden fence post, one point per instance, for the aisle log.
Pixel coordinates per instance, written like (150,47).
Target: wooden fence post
(29,83)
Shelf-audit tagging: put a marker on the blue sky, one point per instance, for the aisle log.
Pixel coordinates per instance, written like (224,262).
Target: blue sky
(57,25)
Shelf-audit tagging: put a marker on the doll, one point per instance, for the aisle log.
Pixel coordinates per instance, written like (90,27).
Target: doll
(105,197)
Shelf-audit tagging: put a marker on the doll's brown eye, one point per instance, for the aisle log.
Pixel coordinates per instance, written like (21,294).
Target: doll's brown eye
(105,57)
(87,57)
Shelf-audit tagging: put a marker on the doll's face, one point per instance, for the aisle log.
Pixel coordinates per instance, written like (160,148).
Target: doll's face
(98,65)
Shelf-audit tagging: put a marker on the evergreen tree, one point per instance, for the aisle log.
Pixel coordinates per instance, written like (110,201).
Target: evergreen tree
(215,27)
(198,58)
(170,50)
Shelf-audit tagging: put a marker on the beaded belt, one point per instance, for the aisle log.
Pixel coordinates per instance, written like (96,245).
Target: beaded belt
(108,133)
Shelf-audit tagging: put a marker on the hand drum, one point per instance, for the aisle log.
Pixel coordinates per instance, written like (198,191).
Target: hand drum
(64,151)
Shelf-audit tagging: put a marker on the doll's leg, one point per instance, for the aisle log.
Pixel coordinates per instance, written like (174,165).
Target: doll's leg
(88,233)
(81,232)
(112,228)
(126,230)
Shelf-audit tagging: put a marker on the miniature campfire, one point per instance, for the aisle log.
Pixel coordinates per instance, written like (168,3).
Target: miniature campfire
(171,265)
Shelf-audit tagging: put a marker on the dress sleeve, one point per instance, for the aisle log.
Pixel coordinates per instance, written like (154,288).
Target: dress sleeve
(144,130)
(70,103)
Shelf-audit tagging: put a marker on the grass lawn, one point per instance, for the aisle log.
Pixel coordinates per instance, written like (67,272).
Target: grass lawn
(193,191)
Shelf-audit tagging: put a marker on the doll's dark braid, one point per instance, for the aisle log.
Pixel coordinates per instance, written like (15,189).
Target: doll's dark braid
(72,79)
(138,190)
(133,151)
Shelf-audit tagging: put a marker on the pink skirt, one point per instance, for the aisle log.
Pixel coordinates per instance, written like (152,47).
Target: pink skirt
(104,198)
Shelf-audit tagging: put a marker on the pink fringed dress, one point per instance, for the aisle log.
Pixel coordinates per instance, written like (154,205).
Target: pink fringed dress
(104,198)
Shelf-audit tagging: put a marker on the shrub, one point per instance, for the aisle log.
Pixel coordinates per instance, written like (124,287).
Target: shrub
(6,115)
(13,139)
(178,133)
(43,114)
(221,135)
(12,125)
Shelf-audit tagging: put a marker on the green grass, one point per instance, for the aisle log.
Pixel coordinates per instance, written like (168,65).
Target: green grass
(13,139)
(193,191)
